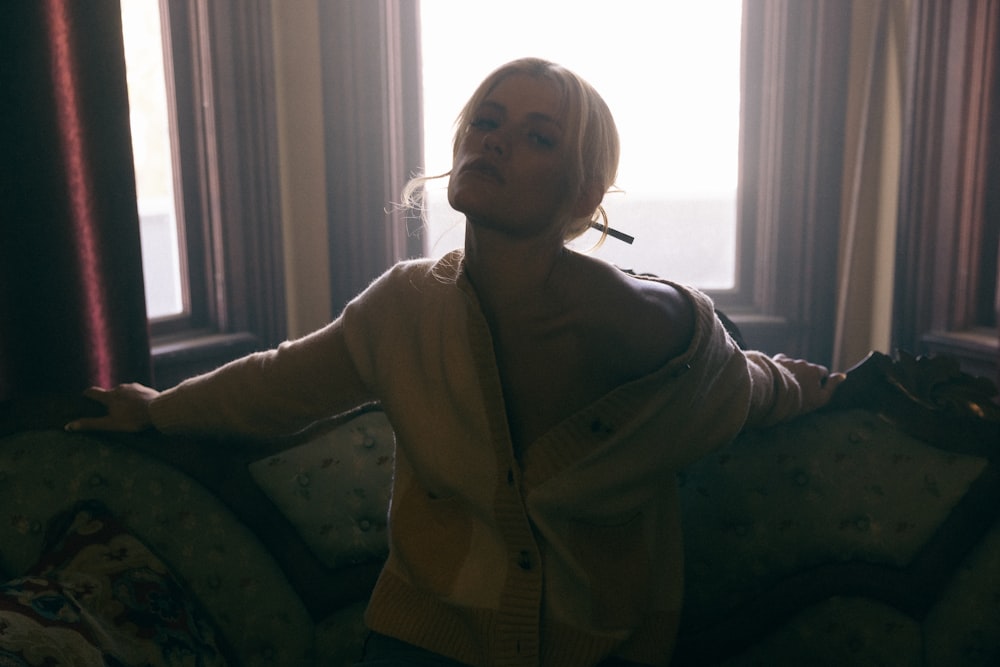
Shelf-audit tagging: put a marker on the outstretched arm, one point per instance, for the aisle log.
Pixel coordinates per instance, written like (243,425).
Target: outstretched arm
(263,395)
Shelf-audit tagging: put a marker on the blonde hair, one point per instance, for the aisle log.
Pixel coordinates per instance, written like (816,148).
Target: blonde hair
(593,136)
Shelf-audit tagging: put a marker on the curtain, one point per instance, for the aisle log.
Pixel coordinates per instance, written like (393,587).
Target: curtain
(872,150)
(72,309)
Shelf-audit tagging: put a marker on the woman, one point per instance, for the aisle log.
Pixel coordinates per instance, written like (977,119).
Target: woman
(541,399)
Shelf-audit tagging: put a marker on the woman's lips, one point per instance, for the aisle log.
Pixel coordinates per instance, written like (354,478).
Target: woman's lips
(484,167)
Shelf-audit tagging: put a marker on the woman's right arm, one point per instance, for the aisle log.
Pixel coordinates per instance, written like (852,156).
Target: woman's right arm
(281,391)
(263,395)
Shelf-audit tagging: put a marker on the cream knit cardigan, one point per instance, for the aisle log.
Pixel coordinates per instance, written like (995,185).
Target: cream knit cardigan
(565,556)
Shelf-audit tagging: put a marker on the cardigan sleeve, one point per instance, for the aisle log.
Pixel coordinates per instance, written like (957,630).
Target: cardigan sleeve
(748,385)
(775,393)
(268,394)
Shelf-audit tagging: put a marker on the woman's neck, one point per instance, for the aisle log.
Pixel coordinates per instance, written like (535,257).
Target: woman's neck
(506,270)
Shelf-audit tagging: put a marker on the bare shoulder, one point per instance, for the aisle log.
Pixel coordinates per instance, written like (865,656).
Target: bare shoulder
(653,321)
(663,314)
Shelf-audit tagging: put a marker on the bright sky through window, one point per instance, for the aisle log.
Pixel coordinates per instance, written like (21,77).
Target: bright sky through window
(147,93)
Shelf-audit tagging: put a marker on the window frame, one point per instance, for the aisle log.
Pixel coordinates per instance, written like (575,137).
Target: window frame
(949,214)
(793,92)
(220,72)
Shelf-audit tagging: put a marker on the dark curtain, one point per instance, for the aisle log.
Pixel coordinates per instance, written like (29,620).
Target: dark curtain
(72,309)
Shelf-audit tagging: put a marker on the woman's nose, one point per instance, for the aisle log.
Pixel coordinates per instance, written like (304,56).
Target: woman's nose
(496,142)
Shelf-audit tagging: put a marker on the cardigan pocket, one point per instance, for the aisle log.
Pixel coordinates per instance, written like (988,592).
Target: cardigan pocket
(430,538)
(616,560)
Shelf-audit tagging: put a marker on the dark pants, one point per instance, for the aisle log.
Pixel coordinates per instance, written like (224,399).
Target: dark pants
(383,651)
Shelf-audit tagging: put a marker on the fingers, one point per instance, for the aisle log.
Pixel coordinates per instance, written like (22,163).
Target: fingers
(127,408)
(831,381)
(816,382)
(98,394)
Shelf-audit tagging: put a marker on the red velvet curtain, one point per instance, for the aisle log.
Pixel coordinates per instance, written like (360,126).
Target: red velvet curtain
(72,309)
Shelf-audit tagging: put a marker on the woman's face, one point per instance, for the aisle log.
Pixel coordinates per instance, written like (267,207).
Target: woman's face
(509,172)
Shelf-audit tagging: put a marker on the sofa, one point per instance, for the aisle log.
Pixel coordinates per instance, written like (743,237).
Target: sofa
(864,534)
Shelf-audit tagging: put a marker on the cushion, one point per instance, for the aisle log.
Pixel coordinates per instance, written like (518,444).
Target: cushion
(833,487)
(842,535)
(335,489)
(99,596)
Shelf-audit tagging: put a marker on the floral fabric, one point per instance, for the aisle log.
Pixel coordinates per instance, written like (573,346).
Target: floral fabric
(99,596)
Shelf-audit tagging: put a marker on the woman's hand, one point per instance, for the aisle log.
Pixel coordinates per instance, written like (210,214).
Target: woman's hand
(816,382)
(127,405)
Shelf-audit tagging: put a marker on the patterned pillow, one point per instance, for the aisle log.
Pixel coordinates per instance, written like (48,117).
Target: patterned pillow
(335,489)
(98,596)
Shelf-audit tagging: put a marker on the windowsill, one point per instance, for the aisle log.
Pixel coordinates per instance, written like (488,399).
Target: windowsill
(980,340)
(977,350)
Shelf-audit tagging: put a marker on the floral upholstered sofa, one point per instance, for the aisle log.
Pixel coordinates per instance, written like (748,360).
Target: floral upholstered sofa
(865,534)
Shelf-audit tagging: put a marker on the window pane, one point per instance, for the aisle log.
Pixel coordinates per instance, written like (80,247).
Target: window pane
(151,148)
(670,72)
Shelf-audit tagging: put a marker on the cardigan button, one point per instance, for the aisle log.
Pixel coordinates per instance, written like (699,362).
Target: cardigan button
(680,370)
(524,560)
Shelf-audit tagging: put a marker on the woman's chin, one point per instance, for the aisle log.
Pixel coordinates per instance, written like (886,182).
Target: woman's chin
(468,205)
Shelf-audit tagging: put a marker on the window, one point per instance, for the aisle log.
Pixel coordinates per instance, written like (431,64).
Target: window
(670,71)
(220,293)
(779,281)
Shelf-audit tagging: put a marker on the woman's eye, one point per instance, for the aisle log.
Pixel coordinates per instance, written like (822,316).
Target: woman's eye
(484,124)
(541,139)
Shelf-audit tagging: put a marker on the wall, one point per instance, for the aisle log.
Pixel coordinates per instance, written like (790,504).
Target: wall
(302,165)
